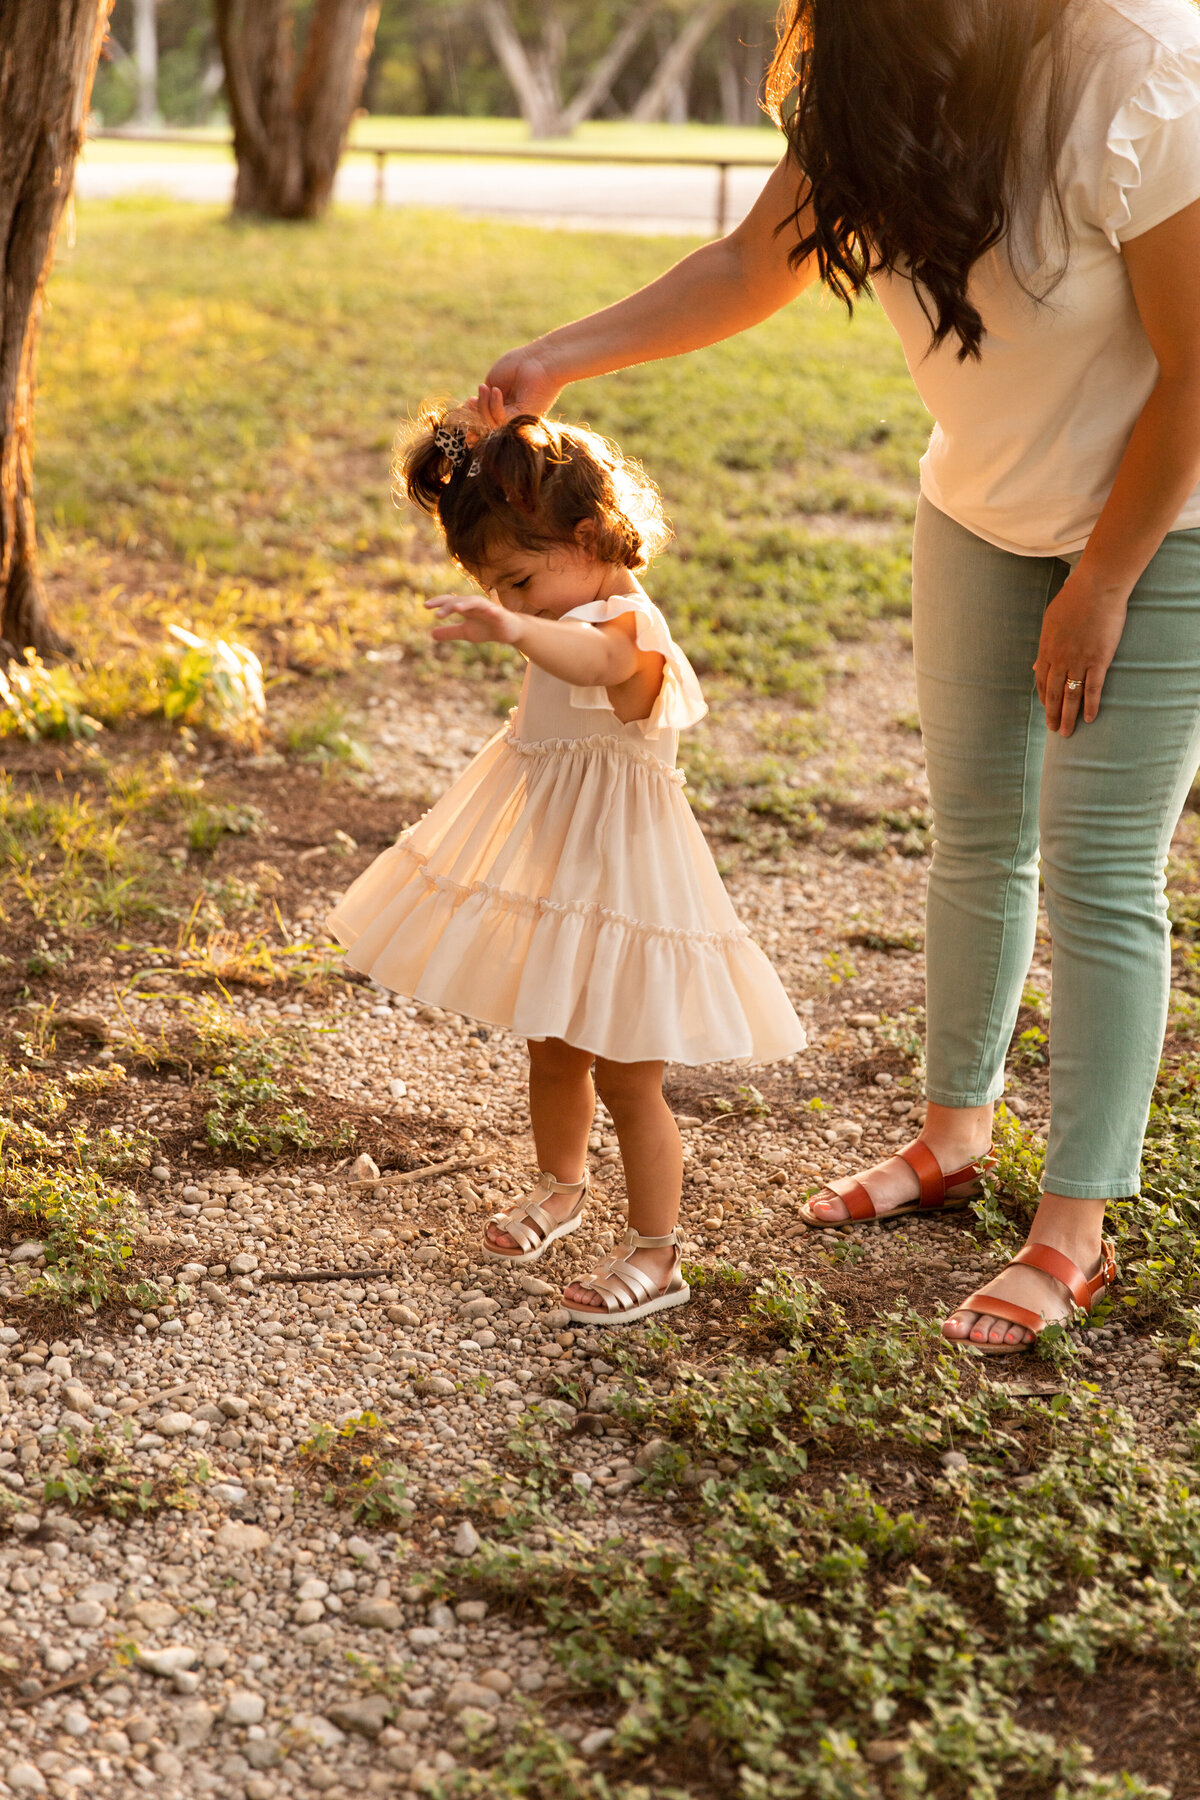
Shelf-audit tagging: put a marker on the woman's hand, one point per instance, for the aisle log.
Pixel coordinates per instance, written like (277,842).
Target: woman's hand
(525,381)
(1081,630)
(482,621)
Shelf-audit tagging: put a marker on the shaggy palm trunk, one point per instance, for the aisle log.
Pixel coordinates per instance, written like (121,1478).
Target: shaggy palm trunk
(289,129)
(48,55)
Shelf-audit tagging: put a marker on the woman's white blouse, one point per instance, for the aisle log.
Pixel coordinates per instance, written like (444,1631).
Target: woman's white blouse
(1026,441)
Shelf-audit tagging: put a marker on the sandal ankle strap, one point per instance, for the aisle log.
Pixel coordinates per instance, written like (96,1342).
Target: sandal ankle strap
(555,1186)
(640,1241)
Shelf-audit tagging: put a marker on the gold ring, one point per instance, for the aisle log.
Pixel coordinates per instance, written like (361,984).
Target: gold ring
(1072,685)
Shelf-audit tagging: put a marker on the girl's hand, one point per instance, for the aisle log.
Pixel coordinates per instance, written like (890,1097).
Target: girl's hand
(1081,630)
(483,621)
(524,380)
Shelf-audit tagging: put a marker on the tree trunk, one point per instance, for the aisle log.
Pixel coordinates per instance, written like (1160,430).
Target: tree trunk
(48,55)
(289,130)
(599,84)
(671,77)
(533,72)
(145,57)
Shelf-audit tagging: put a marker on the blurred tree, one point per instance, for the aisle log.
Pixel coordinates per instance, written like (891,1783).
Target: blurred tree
(665,95)
(534,64)
(48,54)
(289,126)
(145,57)
(189,72)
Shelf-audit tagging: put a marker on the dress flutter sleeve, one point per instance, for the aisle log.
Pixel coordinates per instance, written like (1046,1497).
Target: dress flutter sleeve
(680,702)
(1152,149)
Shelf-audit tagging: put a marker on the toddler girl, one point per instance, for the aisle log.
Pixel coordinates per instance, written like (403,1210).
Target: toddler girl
(561,888)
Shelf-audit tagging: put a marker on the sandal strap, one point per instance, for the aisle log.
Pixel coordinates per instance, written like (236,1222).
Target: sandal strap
(1082,1288)
(928,1171)
(934,1182)
(995,1308)
(621,1284)
(528,1224)
(857,1202)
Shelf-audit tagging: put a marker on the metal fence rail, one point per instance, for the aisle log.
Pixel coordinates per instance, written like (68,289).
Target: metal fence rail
(518,153)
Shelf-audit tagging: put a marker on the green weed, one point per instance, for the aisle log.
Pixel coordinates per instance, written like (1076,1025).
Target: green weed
(347,1462)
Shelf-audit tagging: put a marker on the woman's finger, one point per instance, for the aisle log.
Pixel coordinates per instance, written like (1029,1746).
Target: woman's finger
(1072,700)
(1055,683)
(1093,687)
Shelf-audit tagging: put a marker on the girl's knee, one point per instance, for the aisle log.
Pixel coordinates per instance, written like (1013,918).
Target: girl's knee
(550,1057)
(624,1087)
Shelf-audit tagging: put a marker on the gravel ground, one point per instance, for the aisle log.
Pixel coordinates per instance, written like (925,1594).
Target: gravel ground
(205,1651)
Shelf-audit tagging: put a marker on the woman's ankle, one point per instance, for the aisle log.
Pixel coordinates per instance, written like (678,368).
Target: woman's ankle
(957,1132)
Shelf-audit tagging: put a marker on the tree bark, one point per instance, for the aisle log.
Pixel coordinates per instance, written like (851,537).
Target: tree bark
(48,55)
(289,129)
(671,76)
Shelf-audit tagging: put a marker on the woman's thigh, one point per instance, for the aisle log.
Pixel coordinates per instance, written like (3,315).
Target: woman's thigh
(977,618)
(1113,790)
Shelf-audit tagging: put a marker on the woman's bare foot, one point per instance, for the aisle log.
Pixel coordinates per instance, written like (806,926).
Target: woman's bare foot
(657,1264)
(1073,1227)
(555,1206)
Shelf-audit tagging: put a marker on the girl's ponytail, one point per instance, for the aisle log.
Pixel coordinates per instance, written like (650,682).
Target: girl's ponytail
(528,483)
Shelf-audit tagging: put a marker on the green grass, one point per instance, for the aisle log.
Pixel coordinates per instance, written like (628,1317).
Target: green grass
(594,140)
(837,1600)
(219,402)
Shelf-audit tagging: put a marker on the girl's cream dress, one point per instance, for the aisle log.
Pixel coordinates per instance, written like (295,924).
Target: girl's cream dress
(562,888)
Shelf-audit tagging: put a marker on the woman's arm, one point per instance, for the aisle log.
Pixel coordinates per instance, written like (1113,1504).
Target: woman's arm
(605,655)
(717,291)
(1158,471)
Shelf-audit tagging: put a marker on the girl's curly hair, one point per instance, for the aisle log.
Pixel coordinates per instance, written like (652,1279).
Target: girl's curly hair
(528,484)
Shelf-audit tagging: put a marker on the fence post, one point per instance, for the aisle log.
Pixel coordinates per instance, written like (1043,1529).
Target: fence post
(722,197)
(380,169)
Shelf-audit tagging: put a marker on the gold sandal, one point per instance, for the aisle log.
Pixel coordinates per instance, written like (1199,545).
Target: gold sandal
(939,1192)
(533,1228)
(628,1293)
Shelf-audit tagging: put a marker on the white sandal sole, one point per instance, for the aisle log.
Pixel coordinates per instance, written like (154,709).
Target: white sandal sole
(582,1315)
(522,1258)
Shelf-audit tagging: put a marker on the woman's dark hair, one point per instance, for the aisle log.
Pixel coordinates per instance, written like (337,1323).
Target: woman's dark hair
(527,485)
(905,119)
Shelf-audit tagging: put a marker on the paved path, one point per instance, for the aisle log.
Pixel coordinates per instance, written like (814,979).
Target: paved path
(646,198)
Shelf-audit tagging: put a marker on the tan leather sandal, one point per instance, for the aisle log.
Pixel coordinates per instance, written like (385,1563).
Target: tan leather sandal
(1083,1289)
(939,1192)
(534,1229)
(628,1293)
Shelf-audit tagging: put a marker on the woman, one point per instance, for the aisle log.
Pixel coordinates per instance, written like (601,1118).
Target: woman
(1019,180)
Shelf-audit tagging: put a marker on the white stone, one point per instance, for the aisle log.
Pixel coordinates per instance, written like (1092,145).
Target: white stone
(317,1729)
(241,1537)
(174,1424)
(25,1778)
(59,1365)
(595,1741)
(466,1539)
(245,1708)
(86,1613)
(166,1661)
(243,1263)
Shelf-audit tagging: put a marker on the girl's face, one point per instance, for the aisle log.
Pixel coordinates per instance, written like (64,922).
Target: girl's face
(544,583)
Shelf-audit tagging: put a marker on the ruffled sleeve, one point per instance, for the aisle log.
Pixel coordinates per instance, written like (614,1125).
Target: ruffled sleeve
(1152,150)
(680,701)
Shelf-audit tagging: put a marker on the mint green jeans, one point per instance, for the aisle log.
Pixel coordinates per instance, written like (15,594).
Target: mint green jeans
(1102,804)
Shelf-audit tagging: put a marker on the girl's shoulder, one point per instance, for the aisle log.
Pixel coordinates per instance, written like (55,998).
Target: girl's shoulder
(680,702)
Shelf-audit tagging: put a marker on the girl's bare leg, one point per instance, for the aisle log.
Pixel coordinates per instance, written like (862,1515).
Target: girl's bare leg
(653,1157)
(562,1101)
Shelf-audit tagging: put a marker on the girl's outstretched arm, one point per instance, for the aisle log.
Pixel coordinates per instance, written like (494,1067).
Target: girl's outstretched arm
(717,291)
(604,656)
